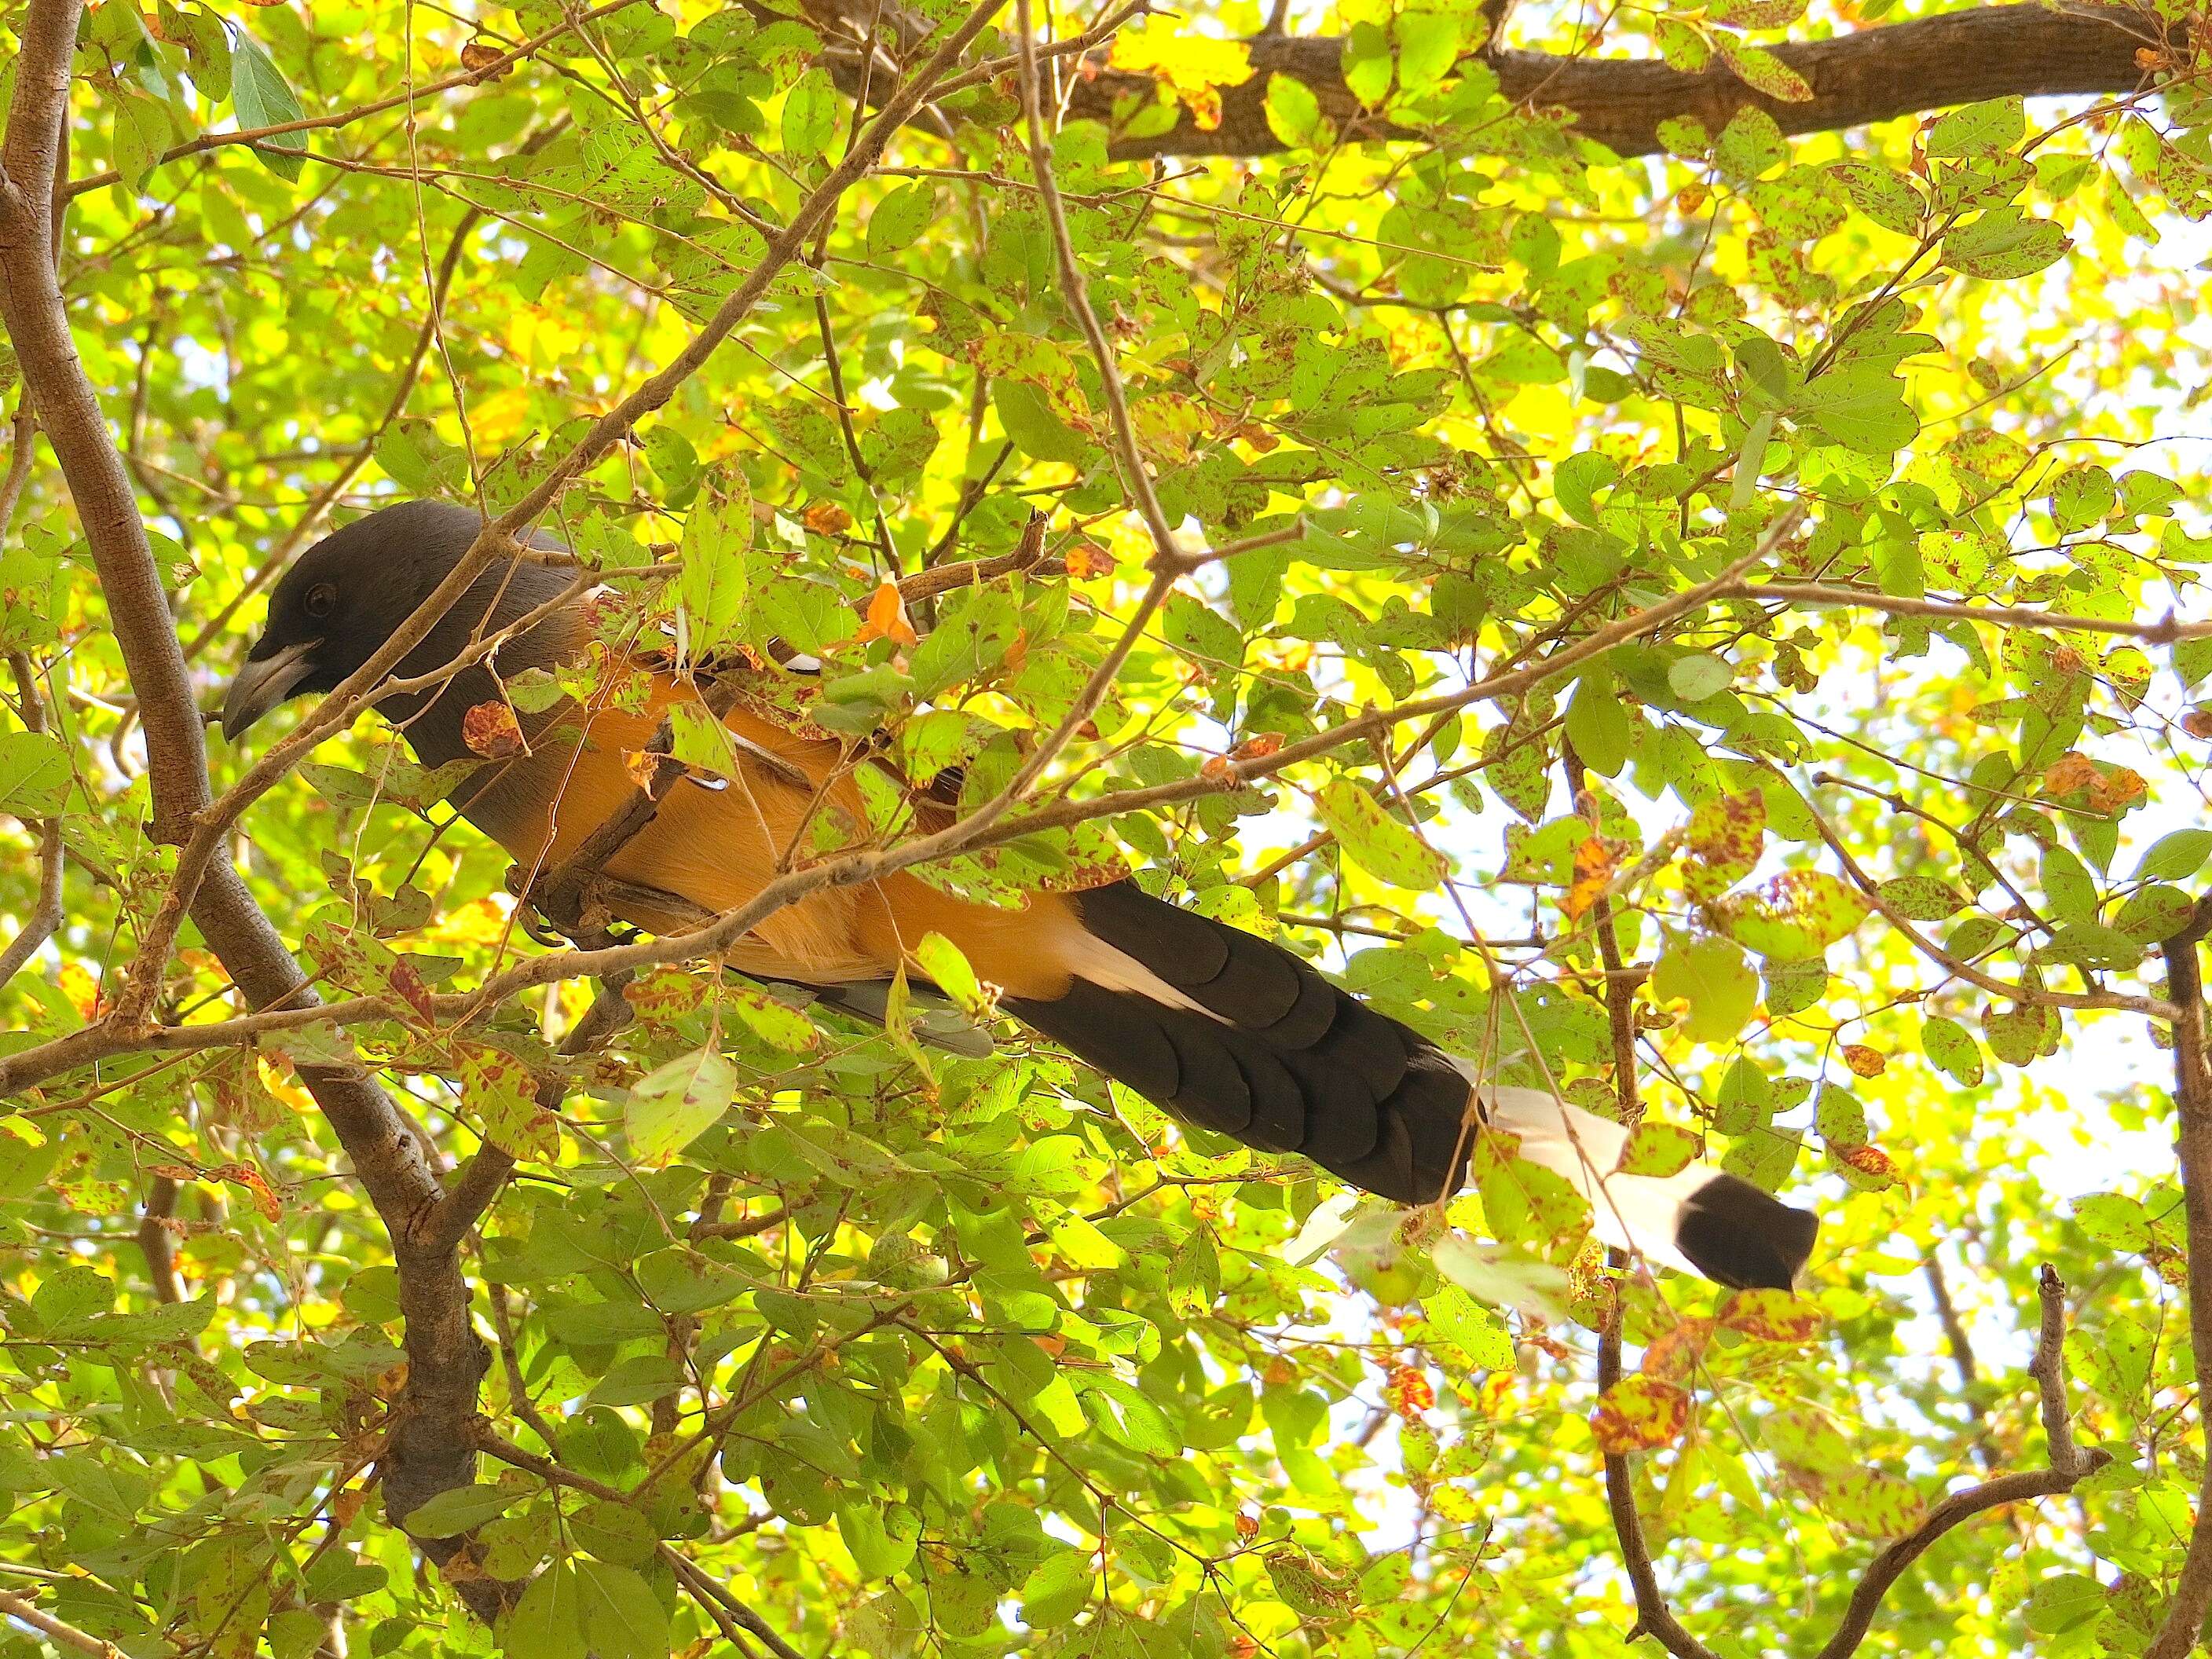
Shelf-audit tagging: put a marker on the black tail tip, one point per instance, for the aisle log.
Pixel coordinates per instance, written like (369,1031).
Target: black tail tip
(1743,1237)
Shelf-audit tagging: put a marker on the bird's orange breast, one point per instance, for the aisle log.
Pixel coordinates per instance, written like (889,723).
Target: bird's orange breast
(717,842)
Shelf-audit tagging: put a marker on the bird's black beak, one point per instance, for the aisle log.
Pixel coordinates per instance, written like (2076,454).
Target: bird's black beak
(264,683)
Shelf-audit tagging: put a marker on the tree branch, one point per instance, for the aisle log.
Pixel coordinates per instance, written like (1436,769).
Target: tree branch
(2069,1464)
(2191,1602)
(66,1635)
(427,1452)
(46,917)
(1868,75)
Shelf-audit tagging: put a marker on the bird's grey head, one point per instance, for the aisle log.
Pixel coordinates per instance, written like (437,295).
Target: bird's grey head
(346,596)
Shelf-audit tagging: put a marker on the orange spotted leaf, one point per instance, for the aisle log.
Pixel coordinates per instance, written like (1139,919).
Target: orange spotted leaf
(827,519)
(1878,1169)
(1410,1392)
(1638,1413)
(1767,1315)
(2117,788)
(245,1176)
(1726,835)
(408,984)
(2070,771)
(1864,1061)
(665,993)
(1672,1354)
(1086,559)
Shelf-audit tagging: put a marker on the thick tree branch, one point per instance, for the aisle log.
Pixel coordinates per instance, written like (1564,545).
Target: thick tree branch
(2191,1602)
(428,1452)
(1870,75)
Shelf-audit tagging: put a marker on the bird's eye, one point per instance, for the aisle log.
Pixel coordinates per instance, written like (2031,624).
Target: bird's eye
(321,599)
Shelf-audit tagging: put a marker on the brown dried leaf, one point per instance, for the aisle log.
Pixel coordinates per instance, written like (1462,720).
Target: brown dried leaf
(476,56)
(489,729)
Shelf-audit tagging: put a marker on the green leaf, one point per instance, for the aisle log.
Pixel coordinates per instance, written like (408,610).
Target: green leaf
(1861,407)
(776,1024)
(1027,418)
(2068,886)
(899,220)
(2081,496)
(1712,976)
(1660,1149)
(1888,197)
(881,1538)
(548,1622)
(1376,841)
(717,581)
(1981,129)
(1292,110)
(622,1618)
(1795,917)
(2063,1602)
(1600,725)
(2114,1219)
(2005,242)
(34,773)
(1949,1046)
(675,1104)
(1457,1320)
(810,115)
(940,961)
(71,1297)
(459,1510)
(1920,898)
(142,133)
(262,98)
(613,1532)
(1578,479)
(2175,856)
(1695,677)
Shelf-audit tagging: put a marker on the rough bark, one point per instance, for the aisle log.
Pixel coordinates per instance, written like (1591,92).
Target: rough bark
(1871,74)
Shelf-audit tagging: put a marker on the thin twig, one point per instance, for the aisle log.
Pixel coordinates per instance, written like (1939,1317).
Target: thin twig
(46,915)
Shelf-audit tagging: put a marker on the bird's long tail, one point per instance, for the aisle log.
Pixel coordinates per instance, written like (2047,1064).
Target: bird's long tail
(1236,1034)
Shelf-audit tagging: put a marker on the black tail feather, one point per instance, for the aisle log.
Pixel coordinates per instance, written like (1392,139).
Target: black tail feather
(1279,1058)
(1242,1037)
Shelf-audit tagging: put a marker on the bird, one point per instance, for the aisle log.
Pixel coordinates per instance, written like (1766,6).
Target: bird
(1219,1027)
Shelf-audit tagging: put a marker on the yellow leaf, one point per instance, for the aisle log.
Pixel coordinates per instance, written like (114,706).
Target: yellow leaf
(1194,66)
